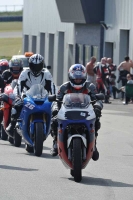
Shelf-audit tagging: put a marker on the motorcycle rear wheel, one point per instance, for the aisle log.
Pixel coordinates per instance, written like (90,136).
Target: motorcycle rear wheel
(38,139)
(77,159)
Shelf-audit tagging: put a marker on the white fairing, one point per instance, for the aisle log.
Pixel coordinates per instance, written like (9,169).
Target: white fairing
(89,109)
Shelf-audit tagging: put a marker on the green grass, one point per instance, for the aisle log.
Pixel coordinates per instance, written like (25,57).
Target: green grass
(10,26)
(10,47)
(17,13)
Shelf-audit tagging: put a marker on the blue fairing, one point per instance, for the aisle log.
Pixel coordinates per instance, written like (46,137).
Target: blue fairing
(30,107)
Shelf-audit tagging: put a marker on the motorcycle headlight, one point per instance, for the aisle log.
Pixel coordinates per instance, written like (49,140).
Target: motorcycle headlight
(38,96)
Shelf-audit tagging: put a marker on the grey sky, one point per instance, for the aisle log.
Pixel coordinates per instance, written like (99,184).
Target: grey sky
(9,5)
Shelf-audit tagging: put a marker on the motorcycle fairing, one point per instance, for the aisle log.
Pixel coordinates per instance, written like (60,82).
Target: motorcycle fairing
(62,124)
(32,108)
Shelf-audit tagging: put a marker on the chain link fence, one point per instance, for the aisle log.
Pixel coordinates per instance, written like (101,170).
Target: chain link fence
(11,8)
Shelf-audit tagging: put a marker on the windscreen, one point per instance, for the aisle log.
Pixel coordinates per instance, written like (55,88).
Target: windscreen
(37,91)
(76,100)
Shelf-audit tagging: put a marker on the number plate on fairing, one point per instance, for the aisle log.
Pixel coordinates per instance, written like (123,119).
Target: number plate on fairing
(76,115)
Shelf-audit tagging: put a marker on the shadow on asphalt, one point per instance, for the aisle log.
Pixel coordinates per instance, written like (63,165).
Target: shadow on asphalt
(44,155)
(102,182)
(16,168)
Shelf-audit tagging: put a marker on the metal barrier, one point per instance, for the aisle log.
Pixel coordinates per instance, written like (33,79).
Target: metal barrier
(11,19)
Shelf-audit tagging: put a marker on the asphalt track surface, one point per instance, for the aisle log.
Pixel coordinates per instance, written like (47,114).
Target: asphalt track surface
(24,176)
(12,34)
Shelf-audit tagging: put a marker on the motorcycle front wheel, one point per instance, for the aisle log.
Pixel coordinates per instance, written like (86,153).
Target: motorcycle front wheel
(77,159)
(39,132)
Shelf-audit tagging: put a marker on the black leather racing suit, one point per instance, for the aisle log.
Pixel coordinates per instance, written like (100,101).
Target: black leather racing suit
(25,81)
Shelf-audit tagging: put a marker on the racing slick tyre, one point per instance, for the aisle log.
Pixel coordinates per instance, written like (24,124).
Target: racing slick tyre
(39,132)
(77,159)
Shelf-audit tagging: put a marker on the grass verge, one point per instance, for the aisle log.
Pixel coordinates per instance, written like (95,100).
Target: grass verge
(10,26)
(10,47)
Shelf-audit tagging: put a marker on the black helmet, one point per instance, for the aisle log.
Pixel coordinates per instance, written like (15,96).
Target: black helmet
(15,66)
(36,64)
(7,77)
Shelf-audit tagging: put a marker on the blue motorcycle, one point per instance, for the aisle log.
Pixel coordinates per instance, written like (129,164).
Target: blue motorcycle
(34,121)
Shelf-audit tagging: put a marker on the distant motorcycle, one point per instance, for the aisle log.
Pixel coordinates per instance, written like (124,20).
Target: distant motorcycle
(76,131)
(34,121)
(7,98)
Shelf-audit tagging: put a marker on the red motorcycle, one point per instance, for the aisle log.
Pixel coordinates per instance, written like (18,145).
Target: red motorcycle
(7,98)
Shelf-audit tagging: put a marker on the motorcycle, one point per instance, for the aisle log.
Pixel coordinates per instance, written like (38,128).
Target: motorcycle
(34,121)
(76,131)
(7,98)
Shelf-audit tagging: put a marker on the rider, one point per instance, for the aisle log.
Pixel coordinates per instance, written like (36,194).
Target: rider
(15,68)
(101,71)
(4,65)
(112,77)
(10,76)
(77,84)
(36,74)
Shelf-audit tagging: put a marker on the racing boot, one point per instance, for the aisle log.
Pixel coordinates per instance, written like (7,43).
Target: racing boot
(107,99)
(54,125)
(10,128)
(54,150)
(95,155)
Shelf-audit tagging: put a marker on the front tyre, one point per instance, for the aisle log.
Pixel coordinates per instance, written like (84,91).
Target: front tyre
(77,159)
(39,132)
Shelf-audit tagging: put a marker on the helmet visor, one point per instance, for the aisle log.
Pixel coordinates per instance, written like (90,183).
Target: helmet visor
(36,68)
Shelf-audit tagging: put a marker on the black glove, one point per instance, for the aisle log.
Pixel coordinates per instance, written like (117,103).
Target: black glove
(97,111)
(4,97)
(54,113)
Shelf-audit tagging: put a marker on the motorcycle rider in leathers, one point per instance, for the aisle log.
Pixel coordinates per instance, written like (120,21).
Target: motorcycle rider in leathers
(36,74)
(101,71)
(77,84)
(111,78)
(10,76)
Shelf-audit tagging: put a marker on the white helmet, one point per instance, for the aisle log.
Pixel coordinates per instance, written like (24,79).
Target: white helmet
(77,71)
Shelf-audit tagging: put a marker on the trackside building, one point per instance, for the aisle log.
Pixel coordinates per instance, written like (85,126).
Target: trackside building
(71,31)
